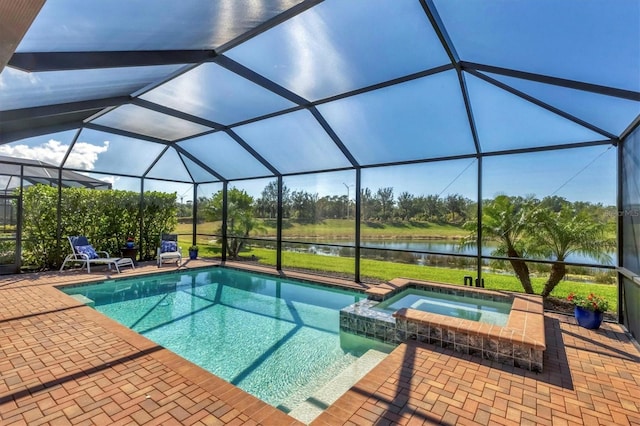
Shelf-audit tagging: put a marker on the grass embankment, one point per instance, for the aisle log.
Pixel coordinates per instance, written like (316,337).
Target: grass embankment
(343,229)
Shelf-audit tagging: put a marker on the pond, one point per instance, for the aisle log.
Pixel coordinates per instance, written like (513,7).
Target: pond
(416,245)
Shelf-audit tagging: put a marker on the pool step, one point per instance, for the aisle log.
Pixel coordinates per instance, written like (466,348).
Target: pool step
(84,300)
(308,410)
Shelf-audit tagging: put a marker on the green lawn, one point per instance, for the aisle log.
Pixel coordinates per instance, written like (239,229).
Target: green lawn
(343,229)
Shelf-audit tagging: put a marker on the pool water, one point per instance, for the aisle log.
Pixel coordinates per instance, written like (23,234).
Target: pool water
(475,309)
(276,339)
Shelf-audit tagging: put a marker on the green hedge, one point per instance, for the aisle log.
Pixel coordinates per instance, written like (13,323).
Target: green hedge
(106,217)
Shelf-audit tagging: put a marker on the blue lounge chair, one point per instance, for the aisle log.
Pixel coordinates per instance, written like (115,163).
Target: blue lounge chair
(169,250)
(84,253)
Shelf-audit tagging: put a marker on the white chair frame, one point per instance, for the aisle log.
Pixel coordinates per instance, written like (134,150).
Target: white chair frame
(84,260)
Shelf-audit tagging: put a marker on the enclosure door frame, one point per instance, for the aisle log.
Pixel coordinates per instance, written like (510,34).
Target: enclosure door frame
(10,215)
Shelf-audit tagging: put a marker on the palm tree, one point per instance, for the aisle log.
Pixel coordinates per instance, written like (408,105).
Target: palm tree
(562,233)
(506,219)
(240,222)
(240,218)
(525,227)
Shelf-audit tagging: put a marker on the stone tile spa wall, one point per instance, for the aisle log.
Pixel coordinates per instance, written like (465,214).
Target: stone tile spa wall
(519,343)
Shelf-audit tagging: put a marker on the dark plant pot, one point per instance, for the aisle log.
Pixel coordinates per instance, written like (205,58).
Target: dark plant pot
(130,244)
(588,319)
(193,254)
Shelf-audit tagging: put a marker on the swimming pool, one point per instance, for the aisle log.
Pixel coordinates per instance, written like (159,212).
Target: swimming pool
(453,305)
(277,339)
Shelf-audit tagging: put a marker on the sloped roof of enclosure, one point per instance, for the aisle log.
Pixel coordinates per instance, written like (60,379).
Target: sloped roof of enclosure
(205,91)
(15,172)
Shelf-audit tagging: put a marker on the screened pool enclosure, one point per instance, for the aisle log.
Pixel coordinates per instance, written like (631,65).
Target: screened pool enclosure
(352,136)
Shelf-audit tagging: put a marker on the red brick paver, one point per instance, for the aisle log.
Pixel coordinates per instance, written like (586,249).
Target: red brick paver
(63,363)
(589,378)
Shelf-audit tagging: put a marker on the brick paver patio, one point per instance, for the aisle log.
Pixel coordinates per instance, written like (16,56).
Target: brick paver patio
(63,363)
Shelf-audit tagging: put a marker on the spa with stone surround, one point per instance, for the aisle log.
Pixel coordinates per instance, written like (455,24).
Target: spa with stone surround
(520,342)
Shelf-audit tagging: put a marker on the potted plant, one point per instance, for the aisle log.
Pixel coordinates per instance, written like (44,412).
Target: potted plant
(589,310)
(193,252)
(130,242)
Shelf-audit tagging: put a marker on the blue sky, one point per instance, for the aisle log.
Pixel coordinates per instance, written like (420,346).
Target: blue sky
(329,49)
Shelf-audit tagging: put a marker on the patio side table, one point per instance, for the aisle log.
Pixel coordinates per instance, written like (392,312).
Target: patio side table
(131,253)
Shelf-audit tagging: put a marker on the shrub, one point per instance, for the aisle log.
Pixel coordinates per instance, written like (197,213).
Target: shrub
(106,217)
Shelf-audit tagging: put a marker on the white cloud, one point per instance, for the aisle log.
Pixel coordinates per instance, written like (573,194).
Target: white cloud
(19,89)
(110,179)
(11,77)
(83,156)
(309,43)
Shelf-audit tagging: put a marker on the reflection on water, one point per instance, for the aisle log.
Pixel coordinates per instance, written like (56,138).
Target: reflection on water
(277,339)
(457,306)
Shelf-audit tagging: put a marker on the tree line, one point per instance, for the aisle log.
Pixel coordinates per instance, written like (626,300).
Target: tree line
(384,206)
(376,205)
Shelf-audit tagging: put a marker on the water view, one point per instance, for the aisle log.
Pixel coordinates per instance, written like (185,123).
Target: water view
(414,245)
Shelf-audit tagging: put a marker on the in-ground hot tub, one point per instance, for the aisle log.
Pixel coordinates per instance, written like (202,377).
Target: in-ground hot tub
(519,341)
(488,310)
